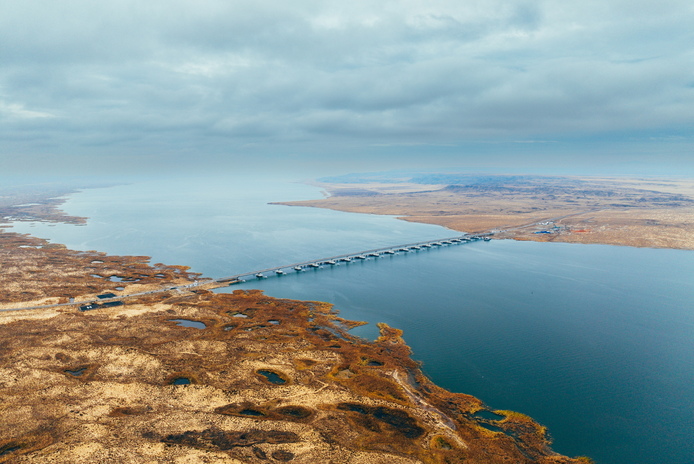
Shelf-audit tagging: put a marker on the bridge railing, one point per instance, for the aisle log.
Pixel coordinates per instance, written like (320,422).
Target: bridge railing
(346,255)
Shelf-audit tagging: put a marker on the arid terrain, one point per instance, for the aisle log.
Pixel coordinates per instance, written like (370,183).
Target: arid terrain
(254,379)
(655,213)
(266,381)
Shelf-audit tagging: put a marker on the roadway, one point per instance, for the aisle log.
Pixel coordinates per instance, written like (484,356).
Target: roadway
(324,261)
(390,250)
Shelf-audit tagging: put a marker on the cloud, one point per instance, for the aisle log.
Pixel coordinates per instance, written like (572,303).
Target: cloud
(319,74)
(17,111)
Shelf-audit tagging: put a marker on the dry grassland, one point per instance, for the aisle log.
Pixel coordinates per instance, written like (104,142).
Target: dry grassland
(632,212)
(270,381)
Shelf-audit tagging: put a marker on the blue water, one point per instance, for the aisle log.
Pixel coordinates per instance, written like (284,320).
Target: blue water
(221,226)
(189,323)
(595,342)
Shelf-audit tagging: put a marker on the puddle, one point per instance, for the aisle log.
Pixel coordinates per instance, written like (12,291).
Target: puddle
(76,372)
(374,363)
(120,288)
(115,278)
(484,414)
(275,322)
(181,381)
(97,261)
(10,448)
(488,415)
(229,327)
(493,428)
(189,323)
(272,377)
(251,412)
(240,315)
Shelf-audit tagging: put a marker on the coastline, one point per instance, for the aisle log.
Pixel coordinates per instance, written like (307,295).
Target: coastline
(618,217)
(127,359)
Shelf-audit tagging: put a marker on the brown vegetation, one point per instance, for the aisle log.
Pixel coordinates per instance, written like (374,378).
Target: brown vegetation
(98,386)
(634,212)
(35,203)
(37,272)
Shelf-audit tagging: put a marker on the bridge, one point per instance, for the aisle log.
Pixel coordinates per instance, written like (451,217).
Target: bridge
(351,257)
(94,303)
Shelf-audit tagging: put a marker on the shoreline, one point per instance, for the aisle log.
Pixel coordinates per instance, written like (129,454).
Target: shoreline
(169,296)
(119,358)
(530,215)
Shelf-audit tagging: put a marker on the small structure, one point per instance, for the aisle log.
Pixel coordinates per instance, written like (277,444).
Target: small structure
(106,295)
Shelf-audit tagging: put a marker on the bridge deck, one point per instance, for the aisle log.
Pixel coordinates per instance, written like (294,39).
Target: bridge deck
(231,279)
(459,239)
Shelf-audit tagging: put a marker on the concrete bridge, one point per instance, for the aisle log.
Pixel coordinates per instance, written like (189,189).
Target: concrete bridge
(351,257)
(107,300)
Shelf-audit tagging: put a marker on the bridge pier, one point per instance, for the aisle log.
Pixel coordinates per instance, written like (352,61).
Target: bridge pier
(360,256)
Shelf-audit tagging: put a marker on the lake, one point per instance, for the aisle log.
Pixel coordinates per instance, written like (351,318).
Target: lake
(596,342)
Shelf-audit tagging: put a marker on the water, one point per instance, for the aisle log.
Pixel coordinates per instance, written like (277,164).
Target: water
(76,372)
(272,377)
(593,341)
(596,342)
(189,323)
(181,381)
(221,227)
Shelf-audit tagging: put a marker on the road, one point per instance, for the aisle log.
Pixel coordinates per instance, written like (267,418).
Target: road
(226,280)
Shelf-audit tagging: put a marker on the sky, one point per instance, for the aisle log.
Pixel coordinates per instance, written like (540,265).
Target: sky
(327,87)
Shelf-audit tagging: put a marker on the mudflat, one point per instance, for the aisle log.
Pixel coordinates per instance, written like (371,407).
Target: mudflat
(617,211)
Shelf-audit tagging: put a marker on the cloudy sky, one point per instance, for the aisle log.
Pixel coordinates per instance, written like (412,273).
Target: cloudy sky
(324,86)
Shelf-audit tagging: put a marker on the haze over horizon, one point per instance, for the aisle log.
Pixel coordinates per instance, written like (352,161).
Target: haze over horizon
(314,88)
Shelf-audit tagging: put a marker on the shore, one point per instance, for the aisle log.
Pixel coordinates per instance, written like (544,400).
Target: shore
(629,212)
(191,376)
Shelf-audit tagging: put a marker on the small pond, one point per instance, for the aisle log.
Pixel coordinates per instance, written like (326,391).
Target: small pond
(272,377)
(485,414)
(189,323)
(76,372)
